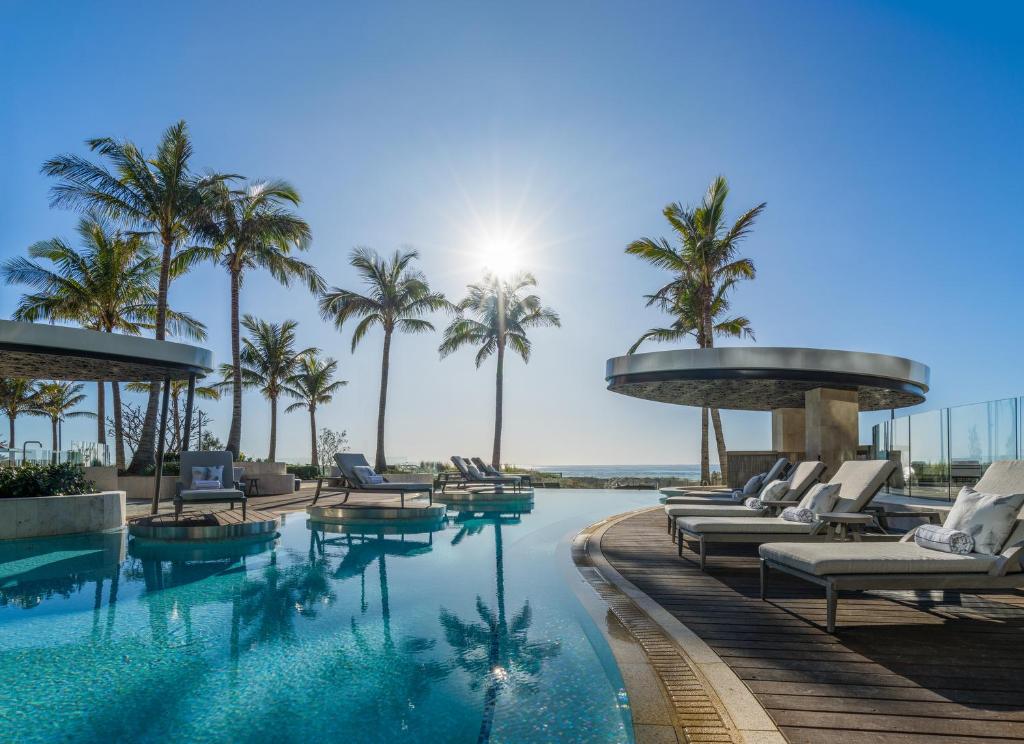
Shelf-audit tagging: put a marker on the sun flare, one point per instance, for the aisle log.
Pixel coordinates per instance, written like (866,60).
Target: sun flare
(500,257)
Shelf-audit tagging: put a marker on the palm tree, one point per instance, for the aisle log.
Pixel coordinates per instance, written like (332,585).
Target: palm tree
(158,195)
(108,285)
(500,317)
(254,228)
(55,400)
(269,360)
(18,395)
(682,301)
(707,259)
(314,385)
(398,298)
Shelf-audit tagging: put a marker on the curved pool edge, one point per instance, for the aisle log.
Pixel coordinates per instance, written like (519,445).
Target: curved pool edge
(720,702)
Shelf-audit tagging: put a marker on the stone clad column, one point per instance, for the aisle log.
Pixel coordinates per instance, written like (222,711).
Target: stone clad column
(788,430)
(832,427)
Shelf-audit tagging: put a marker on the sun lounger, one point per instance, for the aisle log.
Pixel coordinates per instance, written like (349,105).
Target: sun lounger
(486,469)
(801,477)
(349,481)
(904,565)
(185,490)
(774,473)
(859,481)
(466,477)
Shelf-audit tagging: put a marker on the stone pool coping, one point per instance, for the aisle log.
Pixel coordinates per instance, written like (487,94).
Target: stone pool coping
(673,708)
(64,514)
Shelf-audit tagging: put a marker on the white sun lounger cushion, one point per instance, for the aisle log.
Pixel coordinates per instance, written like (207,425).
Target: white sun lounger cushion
(947,540)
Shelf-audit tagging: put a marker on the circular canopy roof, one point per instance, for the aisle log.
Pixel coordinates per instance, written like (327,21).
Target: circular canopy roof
(761,379)
(60,353)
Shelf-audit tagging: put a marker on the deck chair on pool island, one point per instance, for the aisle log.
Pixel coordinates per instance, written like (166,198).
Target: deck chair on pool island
(801,477)
(905,565)
(357,475)
(217,470)
(469,475)
(683,495)
(859,481)
(524,478)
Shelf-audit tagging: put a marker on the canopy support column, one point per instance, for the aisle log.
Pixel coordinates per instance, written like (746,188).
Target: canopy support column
(160,444)
(190,398)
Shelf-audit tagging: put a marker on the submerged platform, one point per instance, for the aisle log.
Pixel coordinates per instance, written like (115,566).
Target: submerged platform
(227,524)
(367,511)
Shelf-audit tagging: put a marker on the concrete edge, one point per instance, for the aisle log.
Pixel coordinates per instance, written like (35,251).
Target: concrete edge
(745,714)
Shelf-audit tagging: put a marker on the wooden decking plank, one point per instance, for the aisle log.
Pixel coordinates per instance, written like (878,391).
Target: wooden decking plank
(905,667)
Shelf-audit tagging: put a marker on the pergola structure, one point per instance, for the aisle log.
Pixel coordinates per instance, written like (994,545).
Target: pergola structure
(52,352)
(814,395)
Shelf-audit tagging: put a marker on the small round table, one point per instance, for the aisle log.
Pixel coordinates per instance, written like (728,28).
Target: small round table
(841,525)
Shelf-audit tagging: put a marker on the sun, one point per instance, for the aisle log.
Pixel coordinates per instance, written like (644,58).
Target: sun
(500,257)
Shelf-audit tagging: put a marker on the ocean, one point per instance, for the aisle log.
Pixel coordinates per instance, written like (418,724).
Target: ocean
(691,472)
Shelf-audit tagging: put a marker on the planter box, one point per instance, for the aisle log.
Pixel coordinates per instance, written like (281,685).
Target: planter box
(140,487)
(44,516)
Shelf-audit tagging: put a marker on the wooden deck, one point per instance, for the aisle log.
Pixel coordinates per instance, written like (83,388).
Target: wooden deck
(903,667)
(221,518)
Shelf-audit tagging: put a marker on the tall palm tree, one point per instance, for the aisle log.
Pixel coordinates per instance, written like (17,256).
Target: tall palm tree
(269,359)
(55,400)
(397,300)
(683,302)
(708,255)
(252,228)
(158,195)
(313,384)
(18,395)
(499,318)
(110,284)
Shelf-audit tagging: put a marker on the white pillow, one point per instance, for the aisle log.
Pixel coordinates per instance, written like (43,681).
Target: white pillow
(943,539)
(474,471)
(201,474)
(774,491)
(821,498)
(205,485)
(987,517)
(367,476)
(752,503)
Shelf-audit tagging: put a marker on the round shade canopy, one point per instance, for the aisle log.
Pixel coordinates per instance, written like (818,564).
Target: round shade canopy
(52,352)
(762,379)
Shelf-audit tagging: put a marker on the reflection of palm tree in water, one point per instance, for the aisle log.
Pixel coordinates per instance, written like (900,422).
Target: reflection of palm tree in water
(407,678)
(496,650)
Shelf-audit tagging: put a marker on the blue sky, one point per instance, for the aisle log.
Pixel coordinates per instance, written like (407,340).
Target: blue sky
(885,137)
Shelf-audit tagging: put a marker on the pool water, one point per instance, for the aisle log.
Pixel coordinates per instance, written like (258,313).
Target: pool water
(457,631)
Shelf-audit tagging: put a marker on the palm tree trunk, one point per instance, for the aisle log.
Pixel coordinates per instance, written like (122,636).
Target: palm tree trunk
(272,456)
(380,461)
(175,423)
(235,433)
(118,426)
(101,413)
(10,441)
(312,438)
(145,453)
(499,387)
(54,457)
(723,459)
(705,463)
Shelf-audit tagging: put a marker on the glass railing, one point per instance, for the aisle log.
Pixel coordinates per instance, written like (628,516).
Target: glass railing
(81,453)
(940,451)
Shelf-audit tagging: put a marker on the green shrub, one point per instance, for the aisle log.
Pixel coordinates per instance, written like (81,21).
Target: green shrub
(305,472)
(43,480)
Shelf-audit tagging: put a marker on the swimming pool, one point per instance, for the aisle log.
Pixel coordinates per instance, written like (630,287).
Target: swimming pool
(457,631)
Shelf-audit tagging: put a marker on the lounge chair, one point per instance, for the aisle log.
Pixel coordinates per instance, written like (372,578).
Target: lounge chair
(350,481)
(859,481)
(466,477)
(524,478)
(905,565)
(775,472)
(183,488)
(801,477)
